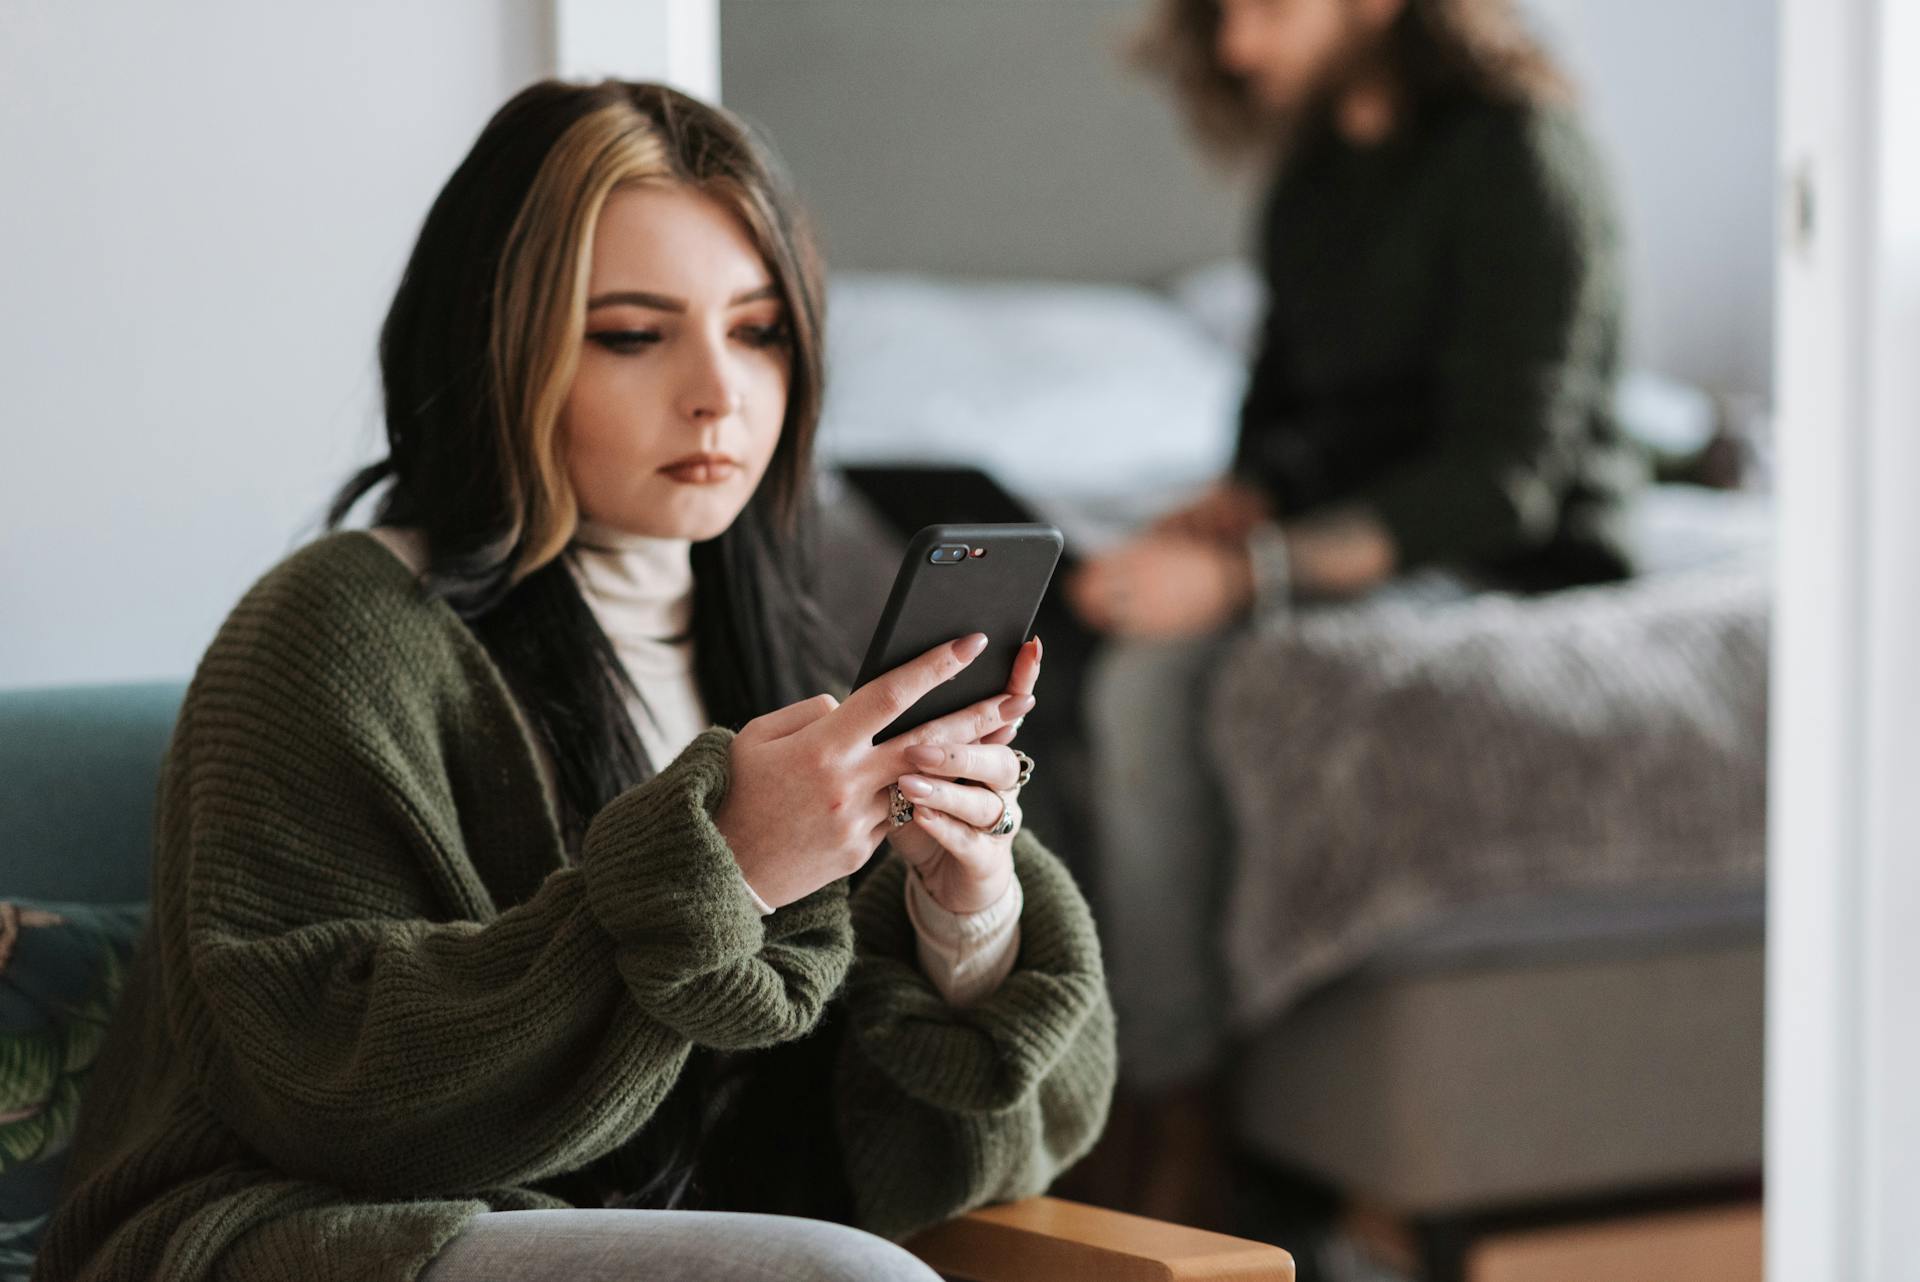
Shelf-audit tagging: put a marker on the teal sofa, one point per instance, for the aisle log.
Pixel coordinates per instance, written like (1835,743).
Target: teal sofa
(78,767)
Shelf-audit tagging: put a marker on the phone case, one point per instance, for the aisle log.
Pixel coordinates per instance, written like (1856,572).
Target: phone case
(932,603)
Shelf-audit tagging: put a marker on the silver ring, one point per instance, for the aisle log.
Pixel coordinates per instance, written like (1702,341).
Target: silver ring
(1026,769)
(902,811)
(1006,823)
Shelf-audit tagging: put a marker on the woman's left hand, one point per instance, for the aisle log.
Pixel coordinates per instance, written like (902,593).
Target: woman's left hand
(957,795)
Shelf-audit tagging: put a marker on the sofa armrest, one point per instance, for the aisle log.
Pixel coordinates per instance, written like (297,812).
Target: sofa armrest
(1044,1239)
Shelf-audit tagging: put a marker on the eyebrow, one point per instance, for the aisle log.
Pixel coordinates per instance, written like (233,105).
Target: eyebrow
(668,303)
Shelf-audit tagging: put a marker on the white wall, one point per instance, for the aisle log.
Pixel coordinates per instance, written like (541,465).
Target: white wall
(206,207)
(987,138)
(673,40)
(1682,98)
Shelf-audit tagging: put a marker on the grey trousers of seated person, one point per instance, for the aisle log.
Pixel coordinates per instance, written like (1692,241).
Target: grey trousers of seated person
(640,1246)
(1163,851)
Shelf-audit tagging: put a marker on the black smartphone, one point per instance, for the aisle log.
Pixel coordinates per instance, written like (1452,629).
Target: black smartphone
(907,497)
(956,580)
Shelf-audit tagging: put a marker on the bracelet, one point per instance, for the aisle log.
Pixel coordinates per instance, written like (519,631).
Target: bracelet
(1272,573)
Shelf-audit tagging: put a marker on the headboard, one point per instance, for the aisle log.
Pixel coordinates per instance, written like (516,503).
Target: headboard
(978,137)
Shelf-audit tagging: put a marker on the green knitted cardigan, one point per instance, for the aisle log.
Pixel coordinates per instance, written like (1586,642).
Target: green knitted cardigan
(378,998)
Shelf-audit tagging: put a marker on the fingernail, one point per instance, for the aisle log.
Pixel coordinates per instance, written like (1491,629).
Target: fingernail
(1015,705)
(916,787)
(922,755)
(969,648)
(1038,649)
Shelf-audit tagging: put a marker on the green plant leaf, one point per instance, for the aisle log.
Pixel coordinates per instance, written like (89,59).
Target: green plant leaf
(30,1064)
(15,1230)
(84,1031)
(63,1113)
(22,1140)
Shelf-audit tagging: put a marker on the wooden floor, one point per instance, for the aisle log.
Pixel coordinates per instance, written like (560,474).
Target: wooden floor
(1718,1245)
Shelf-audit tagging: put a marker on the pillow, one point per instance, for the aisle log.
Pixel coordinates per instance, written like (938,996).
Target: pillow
(1227,299)
(62,967)
(1059,389)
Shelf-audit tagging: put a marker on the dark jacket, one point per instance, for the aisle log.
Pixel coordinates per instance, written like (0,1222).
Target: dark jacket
(1442,344)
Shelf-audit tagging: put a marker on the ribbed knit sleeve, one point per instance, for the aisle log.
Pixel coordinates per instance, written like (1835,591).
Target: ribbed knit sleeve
(943,1109)
(340,814)
(694,952)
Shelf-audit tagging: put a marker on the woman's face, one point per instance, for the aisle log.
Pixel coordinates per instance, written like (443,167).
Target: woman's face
(682,385)
(1292,53)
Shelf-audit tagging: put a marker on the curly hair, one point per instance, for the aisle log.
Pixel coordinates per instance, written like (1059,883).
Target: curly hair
(1438,48)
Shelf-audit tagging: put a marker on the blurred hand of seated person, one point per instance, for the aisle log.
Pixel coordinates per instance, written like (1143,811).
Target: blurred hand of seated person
(1229,509)
(1175,581)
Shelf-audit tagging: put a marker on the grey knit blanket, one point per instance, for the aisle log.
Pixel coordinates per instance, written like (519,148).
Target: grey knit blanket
(1387,763)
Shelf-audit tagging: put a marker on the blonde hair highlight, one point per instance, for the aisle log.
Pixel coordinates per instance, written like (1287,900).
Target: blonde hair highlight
(539,314)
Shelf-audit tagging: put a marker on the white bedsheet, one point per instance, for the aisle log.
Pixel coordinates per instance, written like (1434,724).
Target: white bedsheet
(1059,390)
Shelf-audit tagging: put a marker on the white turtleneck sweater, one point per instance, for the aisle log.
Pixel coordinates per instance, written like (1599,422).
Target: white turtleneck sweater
(640,589)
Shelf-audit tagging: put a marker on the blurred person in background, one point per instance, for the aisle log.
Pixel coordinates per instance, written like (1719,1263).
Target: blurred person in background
(1429,411)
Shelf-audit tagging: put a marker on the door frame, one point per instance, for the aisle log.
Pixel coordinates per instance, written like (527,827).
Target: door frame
(1843,982)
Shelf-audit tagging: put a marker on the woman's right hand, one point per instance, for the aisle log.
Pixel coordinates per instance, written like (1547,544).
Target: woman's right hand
(809,799)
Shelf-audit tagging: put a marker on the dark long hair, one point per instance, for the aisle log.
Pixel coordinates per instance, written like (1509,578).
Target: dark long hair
(1437,49)
(476,354)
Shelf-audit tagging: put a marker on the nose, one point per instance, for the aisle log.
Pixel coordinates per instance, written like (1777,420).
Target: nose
(709,387)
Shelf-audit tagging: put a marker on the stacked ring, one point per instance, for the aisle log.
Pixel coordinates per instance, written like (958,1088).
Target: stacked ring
(902,811)
(1026,769)
(1006,822)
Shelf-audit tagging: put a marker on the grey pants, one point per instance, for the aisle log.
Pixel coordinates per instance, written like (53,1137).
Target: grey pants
(632,1246)
(1163,852)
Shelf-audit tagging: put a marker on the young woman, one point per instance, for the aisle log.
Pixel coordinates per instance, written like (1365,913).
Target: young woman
(1429,411)
(482,947)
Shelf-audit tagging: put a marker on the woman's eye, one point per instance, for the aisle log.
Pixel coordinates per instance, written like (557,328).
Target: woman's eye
(626,340)
(774,335)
